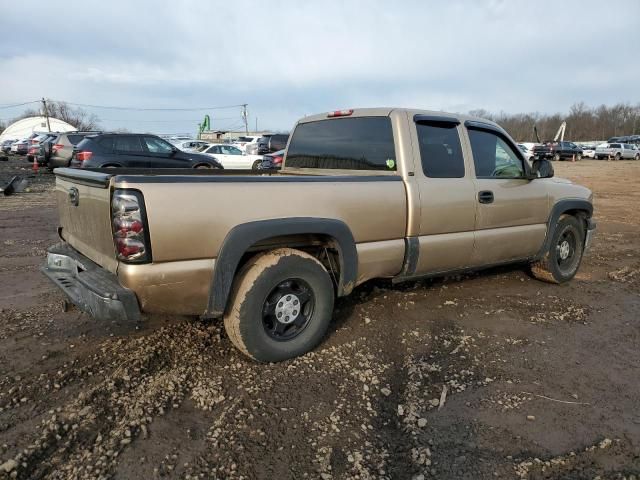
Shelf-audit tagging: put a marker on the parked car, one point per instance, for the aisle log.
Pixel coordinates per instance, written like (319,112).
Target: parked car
(272,161)
(617,151)
(589,151)
(528,154)
(59,149)
(272,143)
(248,141)
(542,151)
(564,150)
(37,143)
(135,151)
(192,145)
(232,157)
(5,146)
(272,265)
(20,147)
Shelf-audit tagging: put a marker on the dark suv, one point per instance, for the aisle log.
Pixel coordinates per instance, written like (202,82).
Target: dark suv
(135,151)
(272,143)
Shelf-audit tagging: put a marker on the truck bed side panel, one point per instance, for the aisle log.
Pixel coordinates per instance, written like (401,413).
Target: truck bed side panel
(191,220)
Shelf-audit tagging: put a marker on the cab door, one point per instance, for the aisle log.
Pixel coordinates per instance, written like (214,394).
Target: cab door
(447,196)
(511,209)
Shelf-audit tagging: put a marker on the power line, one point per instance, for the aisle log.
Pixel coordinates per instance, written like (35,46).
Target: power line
(137,109)
(12,105)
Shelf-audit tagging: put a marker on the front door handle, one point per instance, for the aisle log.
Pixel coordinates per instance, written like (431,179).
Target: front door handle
(485,196)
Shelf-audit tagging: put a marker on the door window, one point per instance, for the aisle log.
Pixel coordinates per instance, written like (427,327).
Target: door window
(226,150)
(440,150)
(493,157)
(127,144)
(156,145)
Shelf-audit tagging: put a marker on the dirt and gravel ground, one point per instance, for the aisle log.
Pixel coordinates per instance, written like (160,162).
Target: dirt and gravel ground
(491,375)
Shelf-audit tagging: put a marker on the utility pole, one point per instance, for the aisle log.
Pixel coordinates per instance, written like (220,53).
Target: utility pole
(45,110)
(246,120)
(257,125)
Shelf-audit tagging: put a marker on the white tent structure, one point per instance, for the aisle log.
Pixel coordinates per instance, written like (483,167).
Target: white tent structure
(25,127)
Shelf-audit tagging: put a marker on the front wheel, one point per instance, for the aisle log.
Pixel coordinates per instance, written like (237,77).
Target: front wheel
(556,157)
(637,157)
(562,259)
(578,157)
(617,157)
(281,305)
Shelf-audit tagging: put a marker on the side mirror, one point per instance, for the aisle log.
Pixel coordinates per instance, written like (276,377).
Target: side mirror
(174,150)
(541,168)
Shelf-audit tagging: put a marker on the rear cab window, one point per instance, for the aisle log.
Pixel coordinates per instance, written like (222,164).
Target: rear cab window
(356,143)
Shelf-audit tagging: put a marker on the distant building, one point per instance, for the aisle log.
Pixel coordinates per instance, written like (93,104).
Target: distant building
(224,135)
(25,127)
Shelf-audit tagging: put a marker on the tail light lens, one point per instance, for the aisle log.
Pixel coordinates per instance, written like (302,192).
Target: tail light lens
(340,113)
(33,151)
(130,234)
(57,146)
(83,156)
(277,160)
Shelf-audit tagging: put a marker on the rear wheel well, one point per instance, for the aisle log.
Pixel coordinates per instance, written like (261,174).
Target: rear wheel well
(111,165)
(323,247)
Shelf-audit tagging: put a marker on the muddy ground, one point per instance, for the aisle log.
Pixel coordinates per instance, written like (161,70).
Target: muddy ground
(490,375)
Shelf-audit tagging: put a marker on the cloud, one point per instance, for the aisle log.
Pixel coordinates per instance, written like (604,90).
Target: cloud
(287,59)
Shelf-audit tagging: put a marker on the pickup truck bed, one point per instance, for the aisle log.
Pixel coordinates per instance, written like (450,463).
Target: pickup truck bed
(369,193)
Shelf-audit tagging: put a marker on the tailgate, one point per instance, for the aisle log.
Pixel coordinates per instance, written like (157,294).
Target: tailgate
(84,208)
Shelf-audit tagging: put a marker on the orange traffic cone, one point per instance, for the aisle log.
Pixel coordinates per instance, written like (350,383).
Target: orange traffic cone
(35,164)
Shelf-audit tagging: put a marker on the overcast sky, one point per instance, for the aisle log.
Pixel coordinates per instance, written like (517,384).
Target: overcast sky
(288,59)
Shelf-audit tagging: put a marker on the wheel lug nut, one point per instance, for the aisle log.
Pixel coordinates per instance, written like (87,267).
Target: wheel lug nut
(280,315)
(280,304)
(295,302)
(295,312)
(288,297)
(286,319)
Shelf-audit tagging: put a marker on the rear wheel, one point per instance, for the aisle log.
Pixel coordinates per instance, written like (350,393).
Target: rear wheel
(256,165)
(203,165)
(281,305)
(561,261)
(578,157)
(617,156)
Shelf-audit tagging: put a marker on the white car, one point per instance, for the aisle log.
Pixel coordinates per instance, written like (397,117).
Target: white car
(192,145)
(528,153)
(232,157)
(242,142)
(588,151)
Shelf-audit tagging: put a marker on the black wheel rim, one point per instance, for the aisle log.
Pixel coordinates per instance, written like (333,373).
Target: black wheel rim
(566,250)
(288,309)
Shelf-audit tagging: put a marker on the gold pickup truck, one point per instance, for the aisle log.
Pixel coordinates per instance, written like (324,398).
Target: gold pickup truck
(366,193)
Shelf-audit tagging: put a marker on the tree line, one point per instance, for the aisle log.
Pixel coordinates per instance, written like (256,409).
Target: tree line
(584,123)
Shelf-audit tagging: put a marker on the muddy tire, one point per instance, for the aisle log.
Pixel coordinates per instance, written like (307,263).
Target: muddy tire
(280,306)
(561,261)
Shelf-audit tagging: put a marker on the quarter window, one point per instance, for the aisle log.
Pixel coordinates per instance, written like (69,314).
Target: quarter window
(440,150)
(493,157)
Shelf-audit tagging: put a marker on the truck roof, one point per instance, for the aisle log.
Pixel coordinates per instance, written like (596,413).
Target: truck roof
(386,111)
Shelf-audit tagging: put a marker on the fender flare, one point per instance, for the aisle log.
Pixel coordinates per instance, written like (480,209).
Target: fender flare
(557,210)
(243,236)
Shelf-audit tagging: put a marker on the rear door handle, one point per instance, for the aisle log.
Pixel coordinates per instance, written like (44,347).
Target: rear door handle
(485,196)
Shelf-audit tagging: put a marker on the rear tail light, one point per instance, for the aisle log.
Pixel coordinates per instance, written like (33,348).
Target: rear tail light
(277,160)
(57,146)
(83,156)
(340,113)
(130,234)
(33,151)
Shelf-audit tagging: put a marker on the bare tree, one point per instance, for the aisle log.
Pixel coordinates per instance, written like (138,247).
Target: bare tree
(79,118)
(584,123)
